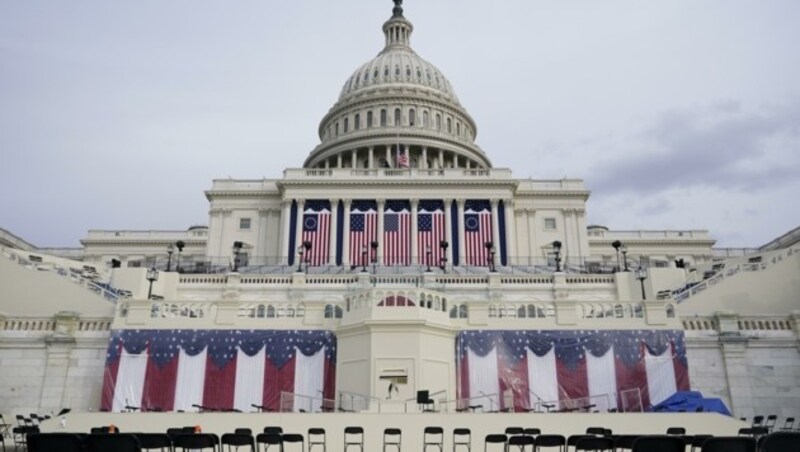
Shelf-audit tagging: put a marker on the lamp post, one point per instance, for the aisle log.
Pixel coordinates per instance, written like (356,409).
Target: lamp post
(490,249)
(624,250)
(364,258)
(170,250)
(428,253)
(299,258)
(237,248)
(180,245)
(443,245)
(374,246)
(307,246)
(617,244)
(557,250)
(641,275)
(152,276)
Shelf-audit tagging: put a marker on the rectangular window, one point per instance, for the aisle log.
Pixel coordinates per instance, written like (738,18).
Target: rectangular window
(550,223)
(244,223)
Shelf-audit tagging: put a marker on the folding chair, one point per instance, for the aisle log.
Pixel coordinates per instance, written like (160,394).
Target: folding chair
(152,441)
(238,440)
(781,442)
(433,436)
(392,437)
(195,441)
(596,444)
(729,444)
(104,442)
(521,442)
(547,441)
(354,436)
(494,438)
(269,440)
(314,435)
(462,437)
(50,442)
(659,443)
(294,438)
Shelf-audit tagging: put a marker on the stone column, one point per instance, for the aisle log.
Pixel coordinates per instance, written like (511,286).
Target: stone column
(496,229)
(339,160)
(354,159)
(346,233)
(424,158)
(59,347)
(533,253)
(414,253)
(389,156)
(333,231)
(299,229)
(448,229)
(286,221)
(511,231)
(441,158)
(261,239)
(371,157)
(461,254)
(734,354)
(379,231)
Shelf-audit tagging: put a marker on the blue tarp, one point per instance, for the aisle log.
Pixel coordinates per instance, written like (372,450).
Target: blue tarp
(689,401)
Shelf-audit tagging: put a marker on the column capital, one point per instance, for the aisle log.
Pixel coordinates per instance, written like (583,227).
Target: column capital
(285,203)
(461,202)
(494,202)
(334,201)
(381,202)
(414,202)
(347,203)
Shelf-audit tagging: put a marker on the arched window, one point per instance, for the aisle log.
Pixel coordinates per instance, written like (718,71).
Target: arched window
(396,70)
(458,128)
(260,311)
(369,119)
(383,117)
(408,71)
(453,312)
(338,312)
(438,122)
(670,311)
(397,117)
(521,312)
(270,312)
(328,311)
(366,76)
(449,125)
(531,311)
(346,125)
(375,74)
(357,122)
(412,117)
(337,129)
(463,311)
(425,119)
(386,71)
(419,73)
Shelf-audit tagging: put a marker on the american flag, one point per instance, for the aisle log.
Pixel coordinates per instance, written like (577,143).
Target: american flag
(402,159)
(397,233)
(430,231)
(477,231)
(316,229)
(363,230)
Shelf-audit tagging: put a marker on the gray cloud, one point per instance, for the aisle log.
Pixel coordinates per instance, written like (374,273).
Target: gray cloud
(725,145)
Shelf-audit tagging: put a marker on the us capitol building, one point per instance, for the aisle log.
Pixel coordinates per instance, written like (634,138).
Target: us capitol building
(411,260)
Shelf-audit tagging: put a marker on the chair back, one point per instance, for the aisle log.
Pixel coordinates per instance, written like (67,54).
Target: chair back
(757,420)
(600,431)
(243,431)
(269,438)
(551,441)
(659,443)
(149,441)
(595,444)
(729,444)
(273,430)
(676,431)
(521,441)
(200,441)
(514,430)
(238,440)
(781,442)
(625,442)
(788,425)
(293,438)
(104,442)
(49,442)
(532,431)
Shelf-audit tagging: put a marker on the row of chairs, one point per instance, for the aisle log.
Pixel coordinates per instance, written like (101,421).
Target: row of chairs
(771,421)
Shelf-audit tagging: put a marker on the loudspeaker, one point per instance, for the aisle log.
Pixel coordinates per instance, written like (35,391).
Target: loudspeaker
(116,263)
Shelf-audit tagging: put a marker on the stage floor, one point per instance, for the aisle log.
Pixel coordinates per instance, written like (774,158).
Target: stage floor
(412,425)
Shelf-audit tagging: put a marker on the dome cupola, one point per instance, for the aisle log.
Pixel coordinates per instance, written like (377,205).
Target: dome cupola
(397,104)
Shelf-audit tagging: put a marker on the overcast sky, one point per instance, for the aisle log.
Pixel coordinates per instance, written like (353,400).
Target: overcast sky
(679,114)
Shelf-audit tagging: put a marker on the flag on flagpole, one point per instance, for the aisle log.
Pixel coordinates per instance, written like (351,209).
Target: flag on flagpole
(397,233)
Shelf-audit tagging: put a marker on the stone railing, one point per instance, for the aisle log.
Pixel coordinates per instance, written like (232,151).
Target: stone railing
(62,322)
(382,173)
(723,271)
(650,235)
(731,324)
(85,276)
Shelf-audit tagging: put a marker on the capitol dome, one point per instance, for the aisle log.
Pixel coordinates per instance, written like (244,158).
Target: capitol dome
(397,111)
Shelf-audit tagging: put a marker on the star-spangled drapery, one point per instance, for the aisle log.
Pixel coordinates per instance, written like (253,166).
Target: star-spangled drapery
(218,349)
(630,349)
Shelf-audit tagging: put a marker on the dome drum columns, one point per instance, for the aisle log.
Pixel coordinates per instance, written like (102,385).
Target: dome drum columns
(385,156)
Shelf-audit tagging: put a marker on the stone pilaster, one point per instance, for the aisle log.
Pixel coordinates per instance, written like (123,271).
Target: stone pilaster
(59,346)
(734,355)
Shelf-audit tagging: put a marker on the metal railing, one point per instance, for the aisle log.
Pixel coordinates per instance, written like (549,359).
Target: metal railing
(299,403)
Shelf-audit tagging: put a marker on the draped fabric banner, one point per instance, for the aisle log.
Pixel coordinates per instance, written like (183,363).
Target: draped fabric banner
(316,231)
(397,233)
(522,370)
(363,231)
(477,232)
(166,370)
